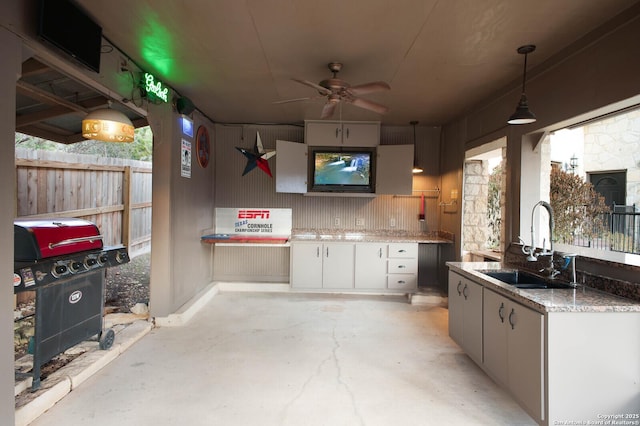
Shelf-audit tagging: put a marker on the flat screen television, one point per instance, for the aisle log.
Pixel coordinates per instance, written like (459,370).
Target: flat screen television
(67,27)
(342,170)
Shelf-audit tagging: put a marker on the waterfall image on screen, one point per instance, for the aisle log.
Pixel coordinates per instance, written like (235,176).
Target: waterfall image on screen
(342,168)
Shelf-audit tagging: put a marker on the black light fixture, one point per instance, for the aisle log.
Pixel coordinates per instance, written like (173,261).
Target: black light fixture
(416,168)
(522,114)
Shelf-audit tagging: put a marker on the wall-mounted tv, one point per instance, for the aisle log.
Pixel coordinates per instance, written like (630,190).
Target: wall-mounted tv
(67,27)
(342,169)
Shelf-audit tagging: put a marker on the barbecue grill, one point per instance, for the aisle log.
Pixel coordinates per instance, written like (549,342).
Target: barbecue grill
(63,261)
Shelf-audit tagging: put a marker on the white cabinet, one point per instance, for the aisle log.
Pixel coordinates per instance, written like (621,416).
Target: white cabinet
(359,266)
(514,349)
(291,167)
(393,169)
(371,266)
(322,265)
(306,265)
(465,315)
(402,266)
(340,133)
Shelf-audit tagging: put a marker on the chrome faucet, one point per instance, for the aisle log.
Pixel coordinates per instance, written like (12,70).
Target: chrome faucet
(530,251)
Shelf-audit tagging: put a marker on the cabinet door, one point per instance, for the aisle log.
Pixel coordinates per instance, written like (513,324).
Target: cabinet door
(323,133)
(370,266)
(472,320)
(361,134)
(337,265)
(306,265)
(455,307)
(494,322)
(525,357)
(291,167)
(393,169)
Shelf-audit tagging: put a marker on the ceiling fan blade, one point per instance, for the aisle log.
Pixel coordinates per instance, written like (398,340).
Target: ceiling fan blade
(320,89)
(294,100)
(370,105)
(363,89)
(328,109)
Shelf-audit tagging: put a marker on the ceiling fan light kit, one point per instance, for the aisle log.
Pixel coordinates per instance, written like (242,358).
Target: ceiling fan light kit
(337,90)
(522,114)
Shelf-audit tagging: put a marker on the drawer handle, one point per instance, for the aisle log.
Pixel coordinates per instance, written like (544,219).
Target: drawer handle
(402,251)
(513,324)
(501,312)
(401,282)
(464,291)
(401,266)
(458,288)
(380,253)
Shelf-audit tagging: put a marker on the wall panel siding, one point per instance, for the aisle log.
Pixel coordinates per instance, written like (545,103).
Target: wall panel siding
(256,189)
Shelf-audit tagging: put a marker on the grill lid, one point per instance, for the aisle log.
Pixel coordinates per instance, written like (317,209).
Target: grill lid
(36,239)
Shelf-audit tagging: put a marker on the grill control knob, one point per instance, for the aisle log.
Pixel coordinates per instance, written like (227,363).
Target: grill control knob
(90,262)
(120,257)
(103,258)
(59,270)
(75,266)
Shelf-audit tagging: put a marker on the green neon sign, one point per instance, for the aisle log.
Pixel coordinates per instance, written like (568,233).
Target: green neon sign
(155,88)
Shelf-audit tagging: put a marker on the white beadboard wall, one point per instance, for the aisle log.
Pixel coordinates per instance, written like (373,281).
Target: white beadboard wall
(257,189)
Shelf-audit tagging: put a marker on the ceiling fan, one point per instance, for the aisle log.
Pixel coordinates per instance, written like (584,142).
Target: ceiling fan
(336,90)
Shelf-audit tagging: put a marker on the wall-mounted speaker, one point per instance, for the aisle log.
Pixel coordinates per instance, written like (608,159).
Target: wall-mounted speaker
(185,106)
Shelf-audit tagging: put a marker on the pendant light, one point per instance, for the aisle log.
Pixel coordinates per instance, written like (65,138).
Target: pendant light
(416,168)
(522,115)
(107,125)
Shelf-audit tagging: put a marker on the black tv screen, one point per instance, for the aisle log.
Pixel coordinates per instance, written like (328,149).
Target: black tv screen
(342,170)
(63,24)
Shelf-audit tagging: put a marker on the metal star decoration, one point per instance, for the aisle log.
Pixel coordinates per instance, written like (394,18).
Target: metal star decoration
(258,157)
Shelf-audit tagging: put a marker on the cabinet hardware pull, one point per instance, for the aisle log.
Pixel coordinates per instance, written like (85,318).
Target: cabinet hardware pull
(402,251)
(501,312)
(327,251)
(401,282)
(318,251)
(380,252)
(513,312)
(347,133)
(464,291)
(337,132)
(458,288)
(401,266)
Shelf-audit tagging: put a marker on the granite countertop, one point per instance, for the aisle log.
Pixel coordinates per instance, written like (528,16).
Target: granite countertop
(580,299)
(370,236)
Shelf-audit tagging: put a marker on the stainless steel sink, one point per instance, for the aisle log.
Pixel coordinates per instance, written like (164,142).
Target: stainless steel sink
(524,280)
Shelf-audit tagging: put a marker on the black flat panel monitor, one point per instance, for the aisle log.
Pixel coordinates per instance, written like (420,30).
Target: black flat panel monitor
(342,170)
(67,27)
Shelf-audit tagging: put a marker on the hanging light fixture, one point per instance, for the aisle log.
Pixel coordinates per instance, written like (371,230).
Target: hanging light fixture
(107,125)
(416,167)
(522,115)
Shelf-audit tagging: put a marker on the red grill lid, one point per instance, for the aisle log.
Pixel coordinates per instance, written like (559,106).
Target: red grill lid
(36,239)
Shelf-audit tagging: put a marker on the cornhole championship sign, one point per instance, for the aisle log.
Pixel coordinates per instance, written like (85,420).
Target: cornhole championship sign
(258,222)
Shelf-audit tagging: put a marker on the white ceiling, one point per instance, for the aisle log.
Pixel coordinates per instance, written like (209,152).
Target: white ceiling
(234,58)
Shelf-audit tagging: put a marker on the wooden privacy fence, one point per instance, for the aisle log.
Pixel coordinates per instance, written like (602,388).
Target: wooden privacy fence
(115,194)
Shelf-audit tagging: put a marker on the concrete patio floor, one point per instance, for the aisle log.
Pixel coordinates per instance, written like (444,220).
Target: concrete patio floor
(293,359)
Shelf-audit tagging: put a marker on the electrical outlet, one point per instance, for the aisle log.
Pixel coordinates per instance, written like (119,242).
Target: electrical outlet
(336,221)
(359,222)
(392,222)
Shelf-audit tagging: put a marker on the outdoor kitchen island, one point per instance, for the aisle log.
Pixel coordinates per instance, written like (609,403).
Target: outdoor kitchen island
(565,354)
(376,261)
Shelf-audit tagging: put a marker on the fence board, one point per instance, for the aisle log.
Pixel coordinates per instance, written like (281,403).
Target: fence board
(50,184)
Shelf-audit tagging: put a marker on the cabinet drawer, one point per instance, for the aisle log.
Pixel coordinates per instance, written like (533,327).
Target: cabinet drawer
(402,282)
(402,266)
(403,250)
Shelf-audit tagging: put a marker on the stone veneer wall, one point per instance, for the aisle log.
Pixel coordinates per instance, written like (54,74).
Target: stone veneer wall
(476,188)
